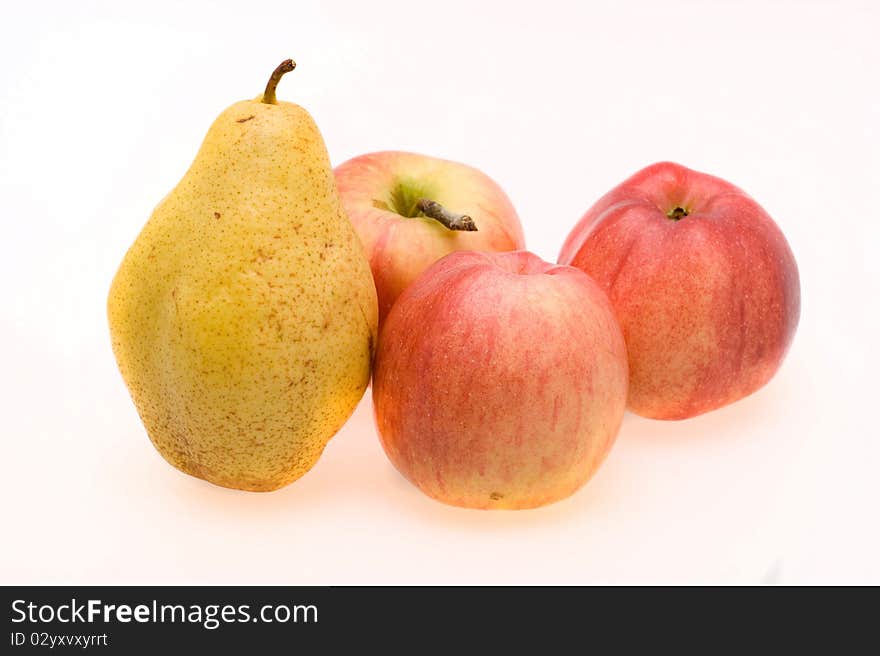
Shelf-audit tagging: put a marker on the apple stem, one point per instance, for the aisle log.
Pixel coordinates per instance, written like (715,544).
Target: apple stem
(284,67)
(451,220)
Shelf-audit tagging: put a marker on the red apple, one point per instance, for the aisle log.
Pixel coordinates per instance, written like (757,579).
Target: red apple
(702,281)
(381,194)
(500,380)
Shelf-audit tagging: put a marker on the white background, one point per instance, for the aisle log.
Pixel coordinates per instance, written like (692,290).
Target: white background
(102,109)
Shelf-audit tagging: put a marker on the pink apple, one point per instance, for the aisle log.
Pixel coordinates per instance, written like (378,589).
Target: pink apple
(381,193)
(702,281)
(500,380)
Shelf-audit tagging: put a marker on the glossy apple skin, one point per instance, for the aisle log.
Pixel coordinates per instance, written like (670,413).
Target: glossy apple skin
(500,380)
(398,248)
(708,304)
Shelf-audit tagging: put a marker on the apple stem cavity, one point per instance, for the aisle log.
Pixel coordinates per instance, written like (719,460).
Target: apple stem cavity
(677,213)
(452,220)
(269,94)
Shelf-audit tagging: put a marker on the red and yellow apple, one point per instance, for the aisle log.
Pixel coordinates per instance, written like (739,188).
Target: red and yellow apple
(702,281)
(381,193)
(500,380)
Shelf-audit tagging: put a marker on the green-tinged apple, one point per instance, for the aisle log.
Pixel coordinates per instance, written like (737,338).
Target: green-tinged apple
(500,380)
(410,210)
(702,281)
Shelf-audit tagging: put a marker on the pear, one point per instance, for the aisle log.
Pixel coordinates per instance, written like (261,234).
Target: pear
(244,316)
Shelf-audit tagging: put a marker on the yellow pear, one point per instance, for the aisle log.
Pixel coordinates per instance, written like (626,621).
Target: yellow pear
(243,318)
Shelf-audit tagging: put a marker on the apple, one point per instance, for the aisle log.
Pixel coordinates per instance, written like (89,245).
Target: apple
(702,281)
(381,192)
(500,380)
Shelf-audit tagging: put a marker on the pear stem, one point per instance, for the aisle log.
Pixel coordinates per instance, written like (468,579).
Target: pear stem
(269,94)
(451,220)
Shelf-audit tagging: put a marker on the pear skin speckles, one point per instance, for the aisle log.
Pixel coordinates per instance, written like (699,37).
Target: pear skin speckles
(243,318)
